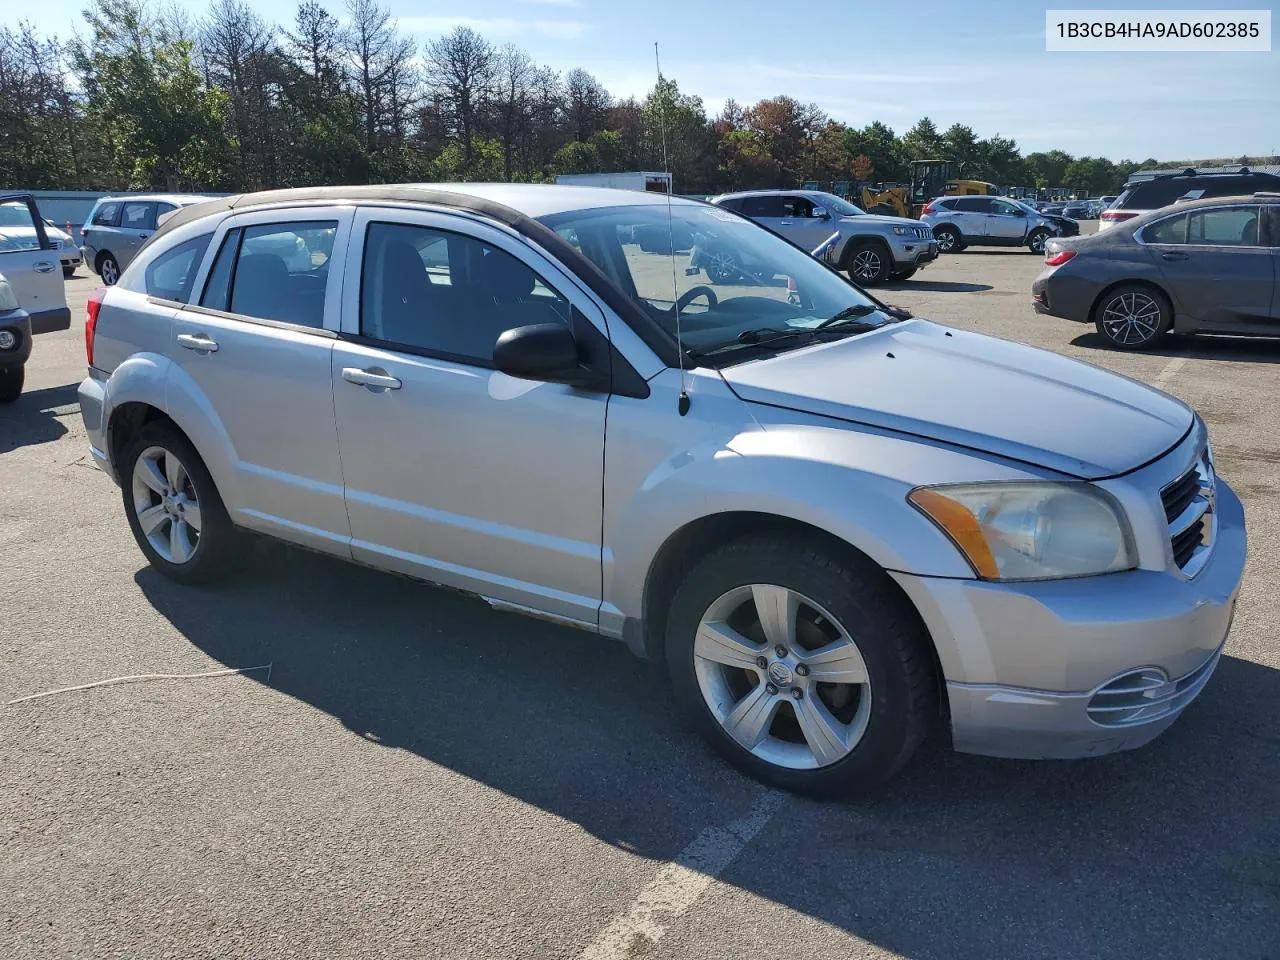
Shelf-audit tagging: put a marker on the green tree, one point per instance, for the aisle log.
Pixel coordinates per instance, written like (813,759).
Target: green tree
(880,144)
(690,142)
(162,125)
(923,142)
(1047,169)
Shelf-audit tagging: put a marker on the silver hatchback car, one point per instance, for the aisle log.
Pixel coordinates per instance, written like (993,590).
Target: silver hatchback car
(835,523)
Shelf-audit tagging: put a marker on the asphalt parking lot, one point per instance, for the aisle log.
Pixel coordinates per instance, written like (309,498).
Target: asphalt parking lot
(418,776)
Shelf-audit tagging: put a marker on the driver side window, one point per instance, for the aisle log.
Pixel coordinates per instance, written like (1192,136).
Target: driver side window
(797,207)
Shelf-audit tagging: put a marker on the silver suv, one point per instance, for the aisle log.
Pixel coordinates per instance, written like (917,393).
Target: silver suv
(117,227)
(870,248)
(960,222)
(835,524)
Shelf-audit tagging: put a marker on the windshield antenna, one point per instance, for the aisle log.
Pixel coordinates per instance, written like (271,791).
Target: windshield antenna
(683,403)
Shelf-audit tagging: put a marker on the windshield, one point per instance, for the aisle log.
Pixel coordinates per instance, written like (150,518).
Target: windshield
(14,213)
(837,206)
(736,284)
(1025,206)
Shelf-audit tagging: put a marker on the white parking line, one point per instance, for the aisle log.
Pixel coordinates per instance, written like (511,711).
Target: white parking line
(1170,368)
(680,883)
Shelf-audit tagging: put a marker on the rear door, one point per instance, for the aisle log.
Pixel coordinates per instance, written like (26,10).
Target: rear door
(969,214)
(137,222)
(257,348)
(1216,266)
(31,265)
(768,210)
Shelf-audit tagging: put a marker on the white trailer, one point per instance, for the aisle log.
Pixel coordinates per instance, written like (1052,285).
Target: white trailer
(642,180)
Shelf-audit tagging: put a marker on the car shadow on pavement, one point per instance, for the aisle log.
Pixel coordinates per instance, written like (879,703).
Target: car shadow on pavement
(1203,347)
(35,416)
(935,286)
(1177,844)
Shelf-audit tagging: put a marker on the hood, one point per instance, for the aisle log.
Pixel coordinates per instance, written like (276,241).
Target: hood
(975,391)
(878,218)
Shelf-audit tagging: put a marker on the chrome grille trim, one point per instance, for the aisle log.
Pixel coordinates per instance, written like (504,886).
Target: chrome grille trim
(1146,695)
(1188,502)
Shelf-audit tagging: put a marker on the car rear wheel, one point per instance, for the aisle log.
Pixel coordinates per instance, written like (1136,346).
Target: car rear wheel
(869,264)
(11,381)
(1035,242)
(1133,317)
(173,507)
(802,668)
(949,240)
(108,269)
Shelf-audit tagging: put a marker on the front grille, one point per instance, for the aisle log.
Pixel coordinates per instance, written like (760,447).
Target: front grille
(1188,509)
(923,233)
(1147,694)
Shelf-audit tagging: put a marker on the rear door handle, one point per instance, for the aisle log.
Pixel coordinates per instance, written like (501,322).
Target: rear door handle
(197,342)
(1173,256)
(375,378)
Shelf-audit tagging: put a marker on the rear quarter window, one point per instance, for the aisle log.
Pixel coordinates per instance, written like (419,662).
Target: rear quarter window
(171,275)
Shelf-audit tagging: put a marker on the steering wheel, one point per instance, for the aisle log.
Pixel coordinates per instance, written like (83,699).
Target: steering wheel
(693,294)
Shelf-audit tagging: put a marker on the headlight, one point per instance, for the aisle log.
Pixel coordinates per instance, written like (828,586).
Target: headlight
(8,299)
(1031,531)
(901,231)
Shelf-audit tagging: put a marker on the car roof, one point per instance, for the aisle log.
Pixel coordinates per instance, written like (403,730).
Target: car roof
(184,199)
(772,193)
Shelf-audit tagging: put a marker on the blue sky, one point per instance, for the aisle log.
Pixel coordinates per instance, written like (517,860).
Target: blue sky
(980,62)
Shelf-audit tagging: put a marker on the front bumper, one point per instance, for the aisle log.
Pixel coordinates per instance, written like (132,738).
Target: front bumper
(1035,670)
(914,252)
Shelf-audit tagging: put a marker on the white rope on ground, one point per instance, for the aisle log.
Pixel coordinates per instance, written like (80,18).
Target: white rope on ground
(133,678)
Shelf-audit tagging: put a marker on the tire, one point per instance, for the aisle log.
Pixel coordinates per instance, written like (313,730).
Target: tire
(213,548)
(1035,242)
(1133,317)
(869,263)
(11,380)
(906,274)
(882,722)
(949,239)
(722,268)
(108,269)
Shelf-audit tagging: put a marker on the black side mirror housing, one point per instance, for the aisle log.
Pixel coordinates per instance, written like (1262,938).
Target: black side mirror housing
(546,352)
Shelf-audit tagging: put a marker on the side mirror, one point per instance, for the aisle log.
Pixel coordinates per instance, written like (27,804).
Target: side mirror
(542,351)
(820,213)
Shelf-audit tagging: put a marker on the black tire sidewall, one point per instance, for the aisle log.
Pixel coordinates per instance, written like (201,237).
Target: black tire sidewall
(217,534)
(12,378)
(852,596)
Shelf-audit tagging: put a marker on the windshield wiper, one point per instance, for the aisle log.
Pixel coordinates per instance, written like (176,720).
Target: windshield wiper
(848,315)
(759,337)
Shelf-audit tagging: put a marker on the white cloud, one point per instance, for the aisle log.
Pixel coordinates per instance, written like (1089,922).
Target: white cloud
(503,28)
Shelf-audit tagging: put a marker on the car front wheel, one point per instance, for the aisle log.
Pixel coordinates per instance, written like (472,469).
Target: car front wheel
(869,264)
(801,667)
(1035,242)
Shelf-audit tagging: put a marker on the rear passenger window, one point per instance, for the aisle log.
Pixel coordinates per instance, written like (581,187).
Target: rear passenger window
(171,275)
(106,215)
(275,271)
(768,206)
(1173,230)
(138,216)
(973,205)
(448,294)
(1228,227)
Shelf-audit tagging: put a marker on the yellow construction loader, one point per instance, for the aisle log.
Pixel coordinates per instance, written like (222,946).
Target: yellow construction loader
(929,179)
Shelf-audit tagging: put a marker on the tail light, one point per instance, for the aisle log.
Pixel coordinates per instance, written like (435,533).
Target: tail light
(928,209)
(1059,258)
(91,309)
(1115,216)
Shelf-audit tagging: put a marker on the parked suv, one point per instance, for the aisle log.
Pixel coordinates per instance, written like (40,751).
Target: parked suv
(960,222)
(117,228)
(835,524)
(1143,195)
(1206,266)
(870,248)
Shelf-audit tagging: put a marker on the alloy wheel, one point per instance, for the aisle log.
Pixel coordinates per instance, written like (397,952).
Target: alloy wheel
(866,265)
(946,241)
(110,271)
(782,677)
(1037,243)
(166,505)
(1131,318)
(722,267)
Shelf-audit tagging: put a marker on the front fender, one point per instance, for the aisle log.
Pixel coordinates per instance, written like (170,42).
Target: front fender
(850,482)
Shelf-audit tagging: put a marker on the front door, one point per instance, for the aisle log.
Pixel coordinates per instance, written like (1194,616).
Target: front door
(1006,222)
(455,472)
(1220,273)
(806,229)
(32,267)
(256,349)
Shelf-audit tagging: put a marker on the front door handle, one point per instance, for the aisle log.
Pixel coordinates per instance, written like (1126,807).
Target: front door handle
(375,378)
(1173,256)
(198,342)
(44,266)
